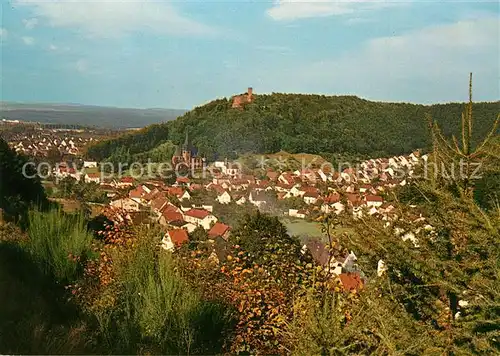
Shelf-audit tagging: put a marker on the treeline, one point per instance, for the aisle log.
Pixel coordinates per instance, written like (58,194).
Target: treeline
(303,123)
(17,191)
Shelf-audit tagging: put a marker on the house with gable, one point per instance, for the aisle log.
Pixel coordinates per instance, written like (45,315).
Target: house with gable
(219,230)
(178,192)
(174,239)
(224,198)
(92,177)
(200,217)
(374,200)
(286,178)
(138,193)
(311,197)
(169,217)
(259,199)
(126,204)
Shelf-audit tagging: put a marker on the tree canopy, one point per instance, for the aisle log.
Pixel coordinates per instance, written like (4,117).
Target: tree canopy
(302,123)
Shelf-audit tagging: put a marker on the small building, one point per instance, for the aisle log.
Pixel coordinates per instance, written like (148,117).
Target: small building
(224,198)
(200,217)
(219,230)
(89,164)
(174,239)
(126,204)
(374,200)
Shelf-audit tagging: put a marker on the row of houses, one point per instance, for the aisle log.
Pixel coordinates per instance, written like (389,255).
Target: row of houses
(40,143)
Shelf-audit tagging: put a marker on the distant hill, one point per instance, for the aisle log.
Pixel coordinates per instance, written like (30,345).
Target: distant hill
(297,123)
(98,116)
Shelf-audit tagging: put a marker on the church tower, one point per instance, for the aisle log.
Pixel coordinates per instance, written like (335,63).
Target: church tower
(186,150)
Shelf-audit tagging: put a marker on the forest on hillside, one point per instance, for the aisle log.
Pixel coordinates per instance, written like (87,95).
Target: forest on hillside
(300,123)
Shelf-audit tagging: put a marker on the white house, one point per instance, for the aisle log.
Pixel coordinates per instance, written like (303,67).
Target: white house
(301,214)
(381,268)
(174,238)
(200,218)
(92,177)
(374,200)
(89,164)
(311,197)
(126,204)
(240,200)
(257,199)
(339,207)
(296,192)
(224,198)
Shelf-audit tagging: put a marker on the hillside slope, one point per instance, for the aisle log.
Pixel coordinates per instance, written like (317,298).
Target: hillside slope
(303,123)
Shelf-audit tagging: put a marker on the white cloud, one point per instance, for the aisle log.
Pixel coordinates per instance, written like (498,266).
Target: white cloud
(53,47)
(81,65)
(28,40)
(113,18)
(3,33)
(300,9)
(30,23)
(428,65)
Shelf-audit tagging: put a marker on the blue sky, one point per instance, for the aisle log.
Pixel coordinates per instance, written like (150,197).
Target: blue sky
(181,54)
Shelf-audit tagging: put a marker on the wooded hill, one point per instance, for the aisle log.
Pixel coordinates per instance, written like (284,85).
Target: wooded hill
(301,123)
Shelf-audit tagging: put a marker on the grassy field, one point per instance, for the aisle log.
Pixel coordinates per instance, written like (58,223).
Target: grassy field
(72,206)
(307,229)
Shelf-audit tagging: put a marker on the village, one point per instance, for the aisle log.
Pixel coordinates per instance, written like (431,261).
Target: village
(42,141)
(189,204)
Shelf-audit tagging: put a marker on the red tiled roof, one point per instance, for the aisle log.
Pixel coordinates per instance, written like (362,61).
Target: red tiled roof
(281,195)
(127,180)
(217,188)
(272,175)
(170,207)
(178,236)
(332,198)
(263,184)
(177,191)
(285,186)
(311,194)
(197,213)
(158,202)
(374,198)
(170,215)
(219,229)
(352,197)
(351,281)
(182,180)
(136,193)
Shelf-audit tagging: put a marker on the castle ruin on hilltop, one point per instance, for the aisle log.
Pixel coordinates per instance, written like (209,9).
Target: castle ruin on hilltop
(240,100)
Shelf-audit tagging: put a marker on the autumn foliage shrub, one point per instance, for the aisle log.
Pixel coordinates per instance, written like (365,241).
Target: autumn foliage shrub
(139,299)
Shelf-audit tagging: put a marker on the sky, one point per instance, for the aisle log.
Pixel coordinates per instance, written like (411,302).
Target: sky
(185,53)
